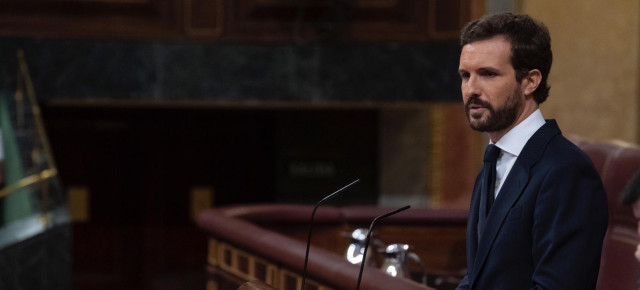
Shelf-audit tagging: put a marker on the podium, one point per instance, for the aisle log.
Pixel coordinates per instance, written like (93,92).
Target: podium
(267,243)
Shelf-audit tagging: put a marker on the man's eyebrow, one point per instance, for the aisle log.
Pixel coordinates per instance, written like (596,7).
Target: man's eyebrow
(488,68)
(484,68)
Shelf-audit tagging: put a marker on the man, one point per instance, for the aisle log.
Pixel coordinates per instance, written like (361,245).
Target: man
(538,214)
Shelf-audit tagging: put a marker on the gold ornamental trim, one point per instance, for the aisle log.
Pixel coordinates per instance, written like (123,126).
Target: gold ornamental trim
(27,181)
(244,265)
(26,84)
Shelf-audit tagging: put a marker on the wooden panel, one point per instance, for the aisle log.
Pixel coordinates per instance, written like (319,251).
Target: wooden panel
(456,156)
(203,18)
(261,20)
(234,271)
(366,20)
(446,18)
(91,18)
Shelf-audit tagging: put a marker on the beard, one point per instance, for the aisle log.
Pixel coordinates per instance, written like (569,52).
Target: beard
(496,119)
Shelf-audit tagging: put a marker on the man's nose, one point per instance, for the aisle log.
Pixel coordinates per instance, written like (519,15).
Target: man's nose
(471,87)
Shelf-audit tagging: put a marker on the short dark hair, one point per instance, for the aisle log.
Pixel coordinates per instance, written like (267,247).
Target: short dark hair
(632,190)
(530,44)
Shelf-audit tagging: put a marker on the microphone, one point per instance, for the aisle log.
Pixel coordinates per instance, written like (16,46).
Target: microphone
(313,213)
(366,244)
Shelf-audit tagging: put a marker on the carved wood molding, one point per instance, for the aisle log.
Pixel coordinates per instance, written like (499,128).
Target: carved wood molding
(91,18)
(203,18)
(354,20)
(243,20)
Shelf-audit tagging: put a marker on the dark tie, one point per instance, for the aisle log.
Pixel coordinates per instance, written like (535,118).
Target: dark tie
(488,184)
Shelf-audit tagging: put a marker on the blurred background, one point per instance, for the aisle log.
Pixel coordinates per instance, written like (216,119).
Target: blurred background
(131,116)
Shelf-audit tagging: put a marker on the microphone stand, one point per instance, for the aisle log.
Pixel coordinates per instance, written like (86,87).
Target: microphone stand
(313,213)
(366,244)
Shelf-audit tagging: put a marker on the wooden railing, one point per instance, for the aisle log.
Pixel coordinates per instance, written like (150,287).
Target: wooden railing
(267,243)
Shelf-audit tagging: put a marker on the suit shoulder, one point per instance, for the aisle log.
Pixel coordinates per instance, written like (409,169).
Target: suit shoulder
(565,152)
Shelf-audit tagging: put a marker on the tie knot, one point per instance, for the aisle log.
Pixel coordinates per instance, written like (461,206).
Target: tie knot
(491,153)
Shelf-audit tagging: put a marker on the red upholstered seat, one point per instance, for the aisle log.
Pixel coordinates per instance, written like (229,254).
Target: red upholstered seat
(616,162)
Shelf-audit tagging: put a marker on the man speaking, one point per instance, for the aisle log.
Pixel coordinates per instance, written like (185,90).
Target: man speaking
(538,211)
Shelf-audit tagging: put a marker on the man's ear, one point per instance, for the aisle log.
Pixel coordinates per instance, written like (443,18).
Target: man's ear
(531,82)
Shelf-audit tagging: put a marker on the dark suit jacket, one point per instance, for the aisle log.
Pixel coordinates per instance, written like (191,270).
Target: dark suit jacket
(546,226)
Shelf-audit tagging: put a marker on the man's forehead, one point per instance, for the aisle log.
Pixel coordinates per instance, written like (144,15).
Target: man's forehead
(494,51)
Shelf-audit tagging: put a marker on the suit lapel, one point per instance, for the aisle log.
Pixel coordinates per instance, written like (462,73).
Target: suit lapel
(472,229)
(509,194)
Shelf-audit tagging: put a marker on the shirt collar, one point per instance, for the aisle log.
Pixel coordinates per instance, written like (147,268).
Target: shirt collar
(513,141)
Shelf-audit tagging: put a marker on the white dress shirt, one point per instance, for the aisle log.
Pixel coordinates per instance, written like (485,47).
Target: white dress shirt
(511,145)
